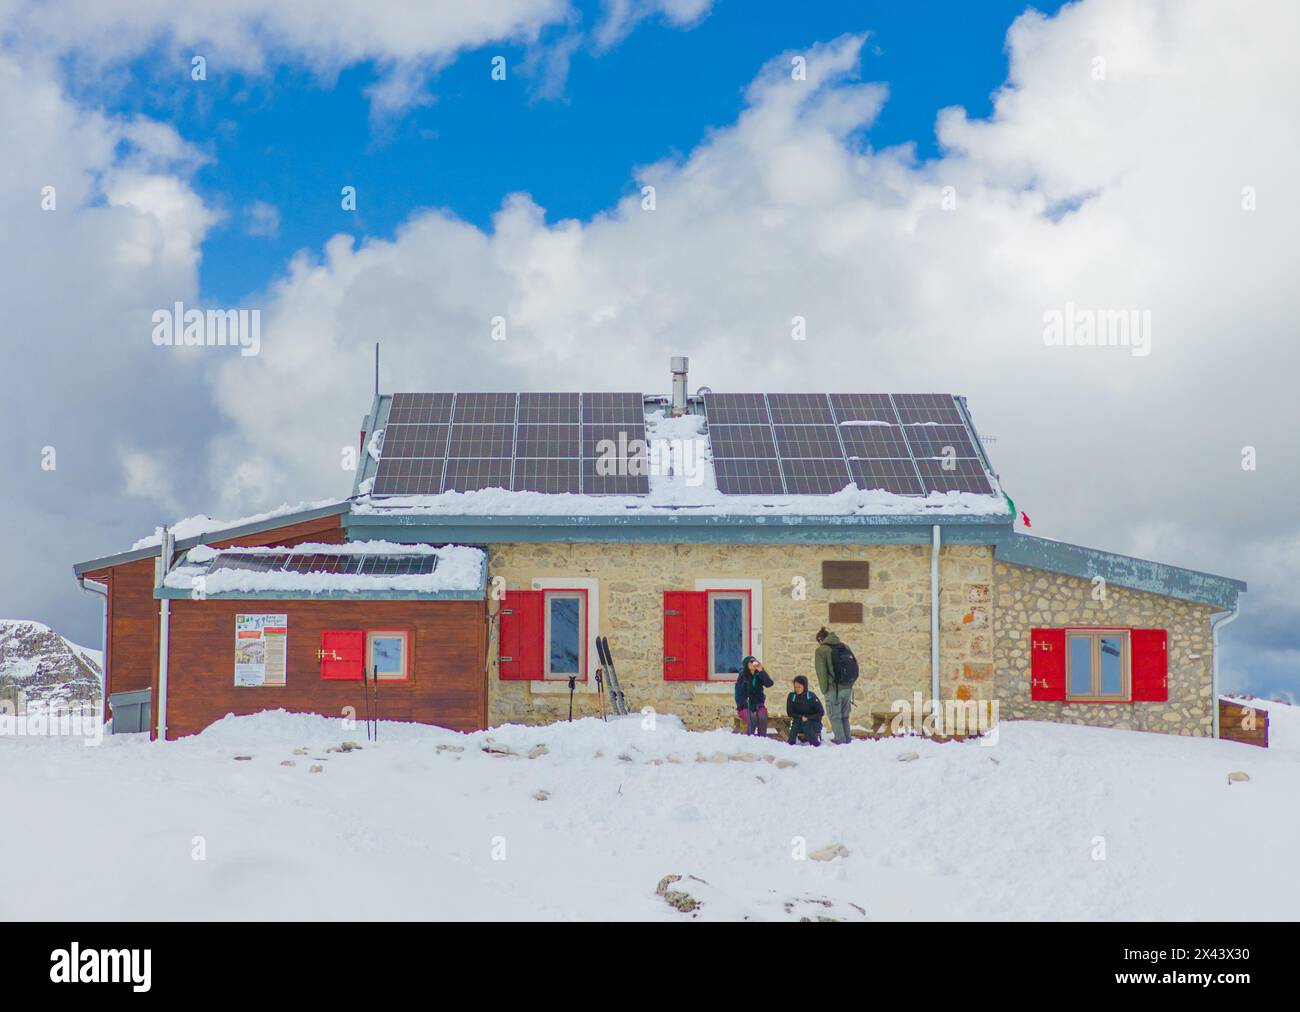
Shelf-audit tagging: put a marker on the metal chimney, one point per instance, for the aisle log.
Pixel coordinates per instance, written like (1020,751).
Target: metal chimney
(679,365)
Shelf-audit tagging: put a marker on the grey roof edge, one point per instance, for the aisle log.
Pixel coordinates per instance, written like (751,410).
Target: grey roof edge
(1121,570)
(681,517)
(223,534)
(376,420)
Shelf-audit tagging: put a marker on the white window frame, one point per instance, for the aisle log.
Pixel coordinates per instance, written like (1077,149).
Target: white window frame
(592,586)
(725,682)
(579,594)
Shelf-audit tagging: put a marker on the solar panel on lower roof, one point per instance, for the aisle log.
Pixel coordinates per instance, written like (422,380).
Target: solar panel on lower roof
(814,477)
(896,476)
(597,480)
(748,477)
(328,562)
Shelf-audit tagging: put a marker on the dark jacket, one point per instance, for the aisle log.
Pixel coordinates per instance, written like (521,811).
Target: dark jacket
(749,688)
(804,706)
(823,662)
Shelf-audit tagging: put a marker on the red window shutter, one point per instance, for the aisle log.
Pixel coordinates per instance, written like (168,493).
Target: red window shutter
(1047,664)
(1150,665)
(522,635)
(342,654)
(686,635)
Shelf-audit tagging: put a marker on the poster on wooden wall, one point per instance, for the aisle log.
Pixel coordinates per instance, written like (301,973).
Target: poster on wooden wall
(261,649)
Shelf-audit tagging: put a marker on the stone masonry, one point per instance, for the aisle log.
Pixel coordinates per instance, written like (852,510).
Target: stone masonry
(1026,598)
(892,643)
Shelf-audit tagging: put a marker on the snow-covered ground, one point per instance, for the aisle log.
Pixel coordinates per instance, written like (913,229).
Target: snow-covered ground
(426,824)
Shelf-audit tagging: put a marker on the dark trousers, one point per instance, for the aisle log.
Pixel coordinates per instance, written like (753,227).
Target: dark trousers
(756,720)
(809,727)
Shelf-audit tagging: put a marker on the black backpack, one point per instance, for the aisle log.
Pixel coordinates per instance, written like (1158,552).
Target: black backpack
(843,664)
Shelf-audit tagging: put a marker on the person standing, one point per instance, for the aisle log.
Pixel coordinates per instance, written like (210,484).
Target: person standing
(805,711)
(837,670)
(751,700)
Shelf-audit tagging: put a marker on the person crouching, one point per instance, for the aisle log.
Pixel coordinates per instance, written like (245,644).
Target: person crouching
(751,700)
(805,711)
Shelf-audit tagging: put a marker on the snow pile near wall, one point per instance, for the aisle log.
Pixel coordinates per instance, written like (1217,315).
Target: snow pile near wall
(585,820)
(458,569)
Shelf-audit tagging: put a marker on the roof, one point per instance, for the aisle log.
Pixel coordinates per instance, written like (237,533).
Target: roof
(194,531)
(365,569)
(683,457)
(1120,570)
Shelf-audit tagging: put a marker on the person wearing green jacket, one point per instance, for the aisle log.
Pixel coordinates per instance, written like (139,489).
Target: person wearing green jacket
(839,698)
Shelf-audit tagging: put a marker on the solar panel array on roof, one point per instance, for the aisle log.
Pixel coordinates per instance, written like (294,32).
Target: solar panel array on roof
(816,444)
(590,443)
(327,562)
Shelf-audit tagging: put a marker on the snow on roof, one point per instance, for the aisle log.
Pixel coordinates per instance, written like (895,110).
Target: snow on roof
(682,478)
(200,525)
(455,568)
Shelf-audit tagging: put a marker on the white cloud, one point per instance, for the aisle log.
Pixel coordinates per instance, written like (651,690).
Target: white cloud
(263,220)
(620,17)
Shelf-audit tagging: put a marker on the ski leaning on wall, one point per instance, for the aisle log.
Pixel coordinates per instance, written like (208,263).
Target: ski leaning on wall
(616,701)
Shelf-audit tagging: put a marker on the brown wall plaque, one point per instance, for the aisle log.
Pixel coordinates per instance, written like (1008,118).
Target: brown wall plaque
(842,612)
(845,575)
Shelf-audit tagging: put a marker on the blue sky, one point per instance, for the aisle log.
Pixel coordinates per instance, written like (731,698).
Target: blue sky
(292,140)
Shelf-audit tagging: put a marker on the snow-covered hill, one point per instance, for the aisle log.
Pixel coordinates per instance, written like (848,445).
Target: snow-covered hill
(46,667)
(585,820)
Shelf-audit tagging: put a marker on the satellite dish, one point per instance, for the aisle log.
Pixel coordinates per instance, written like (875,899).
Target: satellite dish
(702,391)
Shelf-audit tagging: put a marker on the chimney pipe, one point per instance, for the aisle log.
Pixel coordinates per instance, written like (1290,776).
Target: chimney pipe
(679,365)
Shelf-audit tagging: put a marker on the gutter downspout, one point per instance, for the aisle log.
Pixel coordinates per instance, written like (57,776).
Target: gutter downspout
(166,550)
(934,616)
(95,587)
(1214,667)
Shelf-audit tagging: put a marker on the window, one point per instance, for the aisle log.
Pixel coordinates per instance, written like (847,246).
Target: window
(566,632)
(543,635)
(728,632)
(1097,664)
(348,654)
(387,655)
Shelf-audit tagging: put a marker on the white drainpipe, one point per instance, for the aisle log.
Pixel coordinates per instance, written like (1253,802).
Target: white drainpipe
(934,617)
(166,550)
(95,587)
(1214,667)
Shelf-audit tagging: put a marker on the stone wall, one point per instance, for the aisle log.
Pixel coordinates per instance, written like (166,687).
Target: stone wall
(1026,598)
(892,644)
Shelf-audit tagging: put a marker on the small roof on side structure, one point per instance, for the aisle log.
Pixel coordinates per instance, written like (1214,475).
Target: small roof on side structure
(366,570)
(193,531)
(1120,570)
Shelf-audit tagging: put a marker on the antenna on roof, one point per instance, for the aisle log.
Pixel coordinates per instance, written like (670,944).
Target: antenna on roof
(376,368)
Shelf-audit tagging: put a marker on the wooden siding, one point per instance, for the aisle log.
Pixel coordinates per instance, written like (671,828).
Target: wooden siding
(1233,724)
(131,653)
(448,684)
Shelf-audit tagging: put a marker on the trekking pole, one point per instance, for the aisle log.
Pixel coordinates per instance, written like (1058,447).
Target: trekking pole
(375,679)
(572,680)
(365,700)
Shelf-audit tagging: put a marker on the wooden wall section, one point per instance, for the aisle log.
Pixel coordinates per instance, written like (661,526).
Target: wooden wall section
(131,653)
(448,685)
